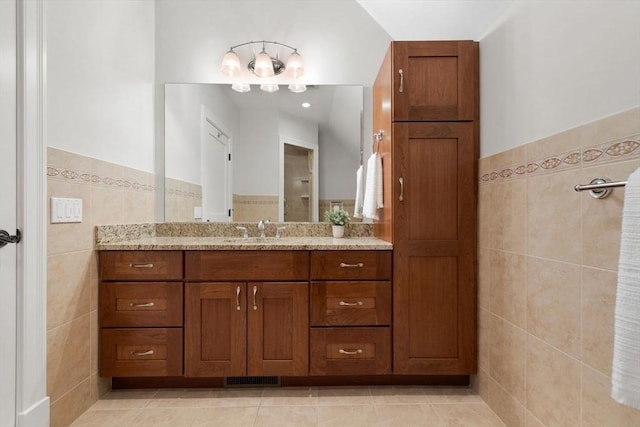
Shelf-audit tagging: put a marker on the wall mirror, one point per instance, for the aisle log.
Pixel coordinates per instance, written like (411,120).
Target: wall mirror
(254,156)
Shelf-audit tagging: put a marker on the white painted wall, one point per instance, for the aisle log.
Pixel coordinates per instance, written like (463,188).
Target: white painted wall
(183,124)
(100,73)
(339,42)
(548,66)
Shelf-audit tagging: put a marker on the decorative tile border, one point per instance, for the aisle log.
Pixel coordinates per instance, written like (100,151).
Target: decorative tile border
(618,150)
(182,189)
(83,177)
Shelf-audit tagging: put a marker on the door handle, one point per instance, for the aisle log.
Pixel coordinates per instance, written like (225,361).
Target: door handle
(6,238)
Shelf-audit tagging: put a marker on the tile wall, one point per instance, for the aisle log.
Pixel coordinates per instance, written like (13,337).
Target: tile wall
(110,194)
(547,276)
(181,197)
(253,208)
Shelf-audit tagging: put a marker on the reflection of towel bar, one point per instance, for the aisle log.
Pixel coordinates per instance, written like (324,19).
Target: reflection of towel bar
(378,137)
(600,187)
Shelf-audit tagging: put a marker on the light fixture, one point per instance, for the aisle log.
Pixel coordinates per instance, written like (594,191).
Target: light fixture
(264,65)
(305,105)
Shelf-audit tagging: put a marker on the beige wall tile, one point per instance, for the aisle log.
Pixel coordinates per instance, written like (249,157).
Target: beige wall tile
(553,303)
(68,352)
(506,406)
(598,307)
(68,287)
(481,384)
(508,286)
(70,405)
(484,278)
(99,386)
(598,409)
(554,224)
(602,219)
(609,128)
(66,159)
(532,421)
(554,146)
(508,357)
(107,205)
(552,390)
(94,278)
(94,333)
(511,215)
(485,211)
(484,338)
(67,237)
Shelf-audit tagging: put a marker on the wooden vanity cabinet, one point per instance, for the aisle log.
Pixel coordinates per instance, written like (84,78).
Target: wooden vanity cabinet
(350,313)
(429,151)
(246,313)
(140,317)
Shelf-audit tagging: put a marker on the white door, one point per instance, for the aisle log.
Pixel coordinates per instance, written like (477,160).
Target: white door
(215,166)
(8,211)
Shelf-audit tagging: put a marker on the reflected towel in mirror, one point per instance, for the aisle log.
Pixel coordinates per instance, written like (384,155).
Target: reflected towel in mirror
(373,190)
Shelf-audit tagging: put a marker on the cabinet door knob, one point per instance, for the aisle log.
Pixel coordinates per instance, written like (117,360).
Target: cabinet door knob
(143,353)
(350,352)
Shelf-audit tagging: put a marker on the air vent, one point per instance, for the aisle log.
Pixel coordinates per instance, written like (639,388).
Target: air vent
(251,381)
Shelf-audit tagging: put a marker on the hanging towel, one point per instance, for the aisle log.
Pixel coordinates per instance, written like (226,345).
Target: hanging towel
(373,190)
(625,376)
(357,210)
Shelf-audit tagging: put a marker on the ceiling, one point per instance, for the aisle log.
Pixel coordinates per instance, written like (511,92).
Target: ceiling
(435,19)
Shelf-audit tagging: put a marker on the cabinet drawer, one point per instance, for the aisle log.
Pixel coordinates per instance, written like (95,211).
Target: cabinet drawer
(350,303)
(246,265)
(351,265)
(141,304)
(141,265)
(150,352)
(350,351)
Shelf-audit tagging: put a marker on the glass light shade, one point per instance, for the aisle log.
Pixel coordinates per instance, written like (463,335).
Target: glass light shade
(269,87)
(294,67)
(297,87)
(230,64)
(263,66)
(241,87)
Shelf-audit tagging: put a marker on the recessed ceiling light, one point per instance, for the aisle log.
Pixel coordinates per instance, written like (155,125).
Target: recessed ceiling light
(306,105)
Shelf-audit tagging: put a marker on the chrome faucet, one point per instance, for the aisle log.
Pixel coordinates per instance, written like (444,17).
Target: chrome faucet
(261,225)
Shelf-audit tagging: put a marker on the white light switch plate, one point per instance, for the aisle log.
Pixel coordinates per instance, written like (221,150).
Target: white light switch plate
(66,210)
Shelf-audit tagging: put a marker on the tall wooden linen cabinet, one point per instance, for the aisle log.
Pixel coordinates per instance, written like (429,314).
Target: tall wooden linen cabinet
(426,109)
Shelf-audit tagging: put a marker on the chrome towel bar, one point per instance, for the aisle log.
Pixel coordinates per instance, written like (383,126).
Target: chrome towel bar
(600,187)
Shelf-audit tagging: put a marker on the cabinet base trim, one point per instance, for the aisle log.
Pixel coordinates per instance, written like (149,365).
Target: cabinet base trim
(182,382)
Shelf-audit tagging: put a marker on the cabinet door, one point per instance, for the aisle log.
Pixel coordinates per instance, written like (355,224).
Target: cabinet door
(434,248)
(215,329)
(435,80)
(278,333)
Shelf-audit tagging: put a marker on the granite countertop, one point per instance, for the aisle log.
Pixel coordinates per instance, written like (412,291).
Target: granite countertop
(252,243)
(189,236)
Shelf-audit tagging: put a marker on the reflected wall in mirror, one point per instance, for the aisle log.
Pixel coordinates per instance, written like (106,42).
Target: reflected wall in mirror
(233,156)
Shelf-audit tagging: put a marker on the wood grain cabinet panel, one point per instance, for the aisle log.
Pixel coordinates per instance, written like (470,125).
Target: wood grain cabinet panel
(350,303)
(350,351)
(246,265)
(429,150)
(140,304)
(350,265)
(148,352)
(141,265)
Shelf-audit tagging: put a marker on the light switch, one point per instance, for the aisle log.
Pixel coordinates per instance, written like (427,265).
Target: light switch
(65,210)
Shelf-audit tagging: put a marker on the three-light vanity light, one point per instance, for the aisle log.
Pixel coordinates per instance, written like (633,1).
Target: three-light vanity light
(264,65)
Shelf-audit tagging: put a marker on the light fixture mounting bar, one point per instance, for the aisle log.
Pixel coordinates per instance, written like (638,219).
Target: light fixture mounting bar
(263,42)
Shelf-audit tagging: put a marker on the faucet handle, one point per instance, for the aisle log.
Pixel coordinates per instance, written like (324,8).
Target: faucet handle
(244,230)
(278,230)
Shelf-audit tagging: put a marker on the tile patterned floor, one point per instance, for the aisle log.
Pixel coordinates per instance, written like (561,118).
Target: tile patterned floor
(406,406)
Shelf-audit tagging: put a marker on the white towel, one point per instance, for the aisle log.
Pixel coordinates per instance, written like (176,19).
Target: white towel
(373,191)
(625,376)
(357,210)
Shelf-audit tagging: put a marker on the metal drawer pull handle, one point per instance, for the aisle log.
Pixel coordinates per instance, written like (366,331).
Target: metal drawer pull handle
(343,351)
(345,265)
(238,298)
(350,304)
(143,353)
(143,304)
(255,291)
(401,80)
(150,265)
